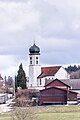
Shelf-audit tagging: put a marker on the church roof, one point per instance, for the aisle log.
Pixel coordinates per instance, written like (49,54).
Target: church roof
(49,71)
(34,50)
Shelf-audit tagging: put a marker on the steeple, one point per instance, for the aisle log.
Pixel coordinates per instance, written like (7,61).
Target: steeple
(34,42)
(34,50)
(34,66)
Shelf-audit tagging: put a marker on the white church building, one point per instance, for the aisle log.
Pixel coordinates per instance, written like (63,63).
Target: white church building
(38,76)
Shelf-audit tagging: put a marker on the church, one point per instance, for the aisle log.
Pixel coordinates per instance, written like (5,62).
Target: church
(38,75)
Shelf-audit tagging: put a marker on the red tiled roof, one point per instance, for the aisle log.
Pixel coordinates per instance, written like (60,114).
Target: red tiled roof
(49,71)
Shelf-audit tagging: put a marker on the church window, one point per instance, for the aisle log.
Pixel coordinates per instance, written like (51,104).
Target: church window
(37,62)
(40,81)
(30,58)
(31,62)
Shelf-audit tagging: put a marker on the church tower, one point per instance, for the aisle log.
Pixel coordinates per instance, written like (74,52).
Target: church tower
(34,65)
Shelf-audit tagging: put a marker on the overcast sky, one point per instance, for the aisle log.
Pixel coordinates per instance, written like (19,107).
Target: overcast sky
(53,24)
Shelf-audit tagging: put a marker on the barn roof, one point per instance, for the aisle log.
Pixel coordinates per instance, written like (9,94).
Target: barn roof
(49,71)
(53,87)
(74,83)
(57,80)
(59,89)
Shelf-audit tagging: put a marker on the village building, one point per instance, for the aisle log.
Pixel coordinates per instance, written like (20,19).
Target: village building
(75,86)
(51,73)
(58,92)
(38,74)
(2,85)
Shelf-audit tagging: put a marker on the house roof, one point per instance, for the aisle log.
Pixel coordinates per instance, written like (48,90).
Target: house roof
(74,83)
(53,87)
(49,71)
(59,81)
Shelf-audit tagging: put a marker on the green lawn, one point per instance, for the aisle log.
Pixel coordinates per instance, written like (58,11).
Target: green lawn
(51,113)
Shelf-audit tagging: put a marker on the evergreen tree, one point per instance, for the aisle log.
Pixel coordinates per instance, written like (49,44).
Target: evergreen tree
(73,68)
(15,84)
(20,79)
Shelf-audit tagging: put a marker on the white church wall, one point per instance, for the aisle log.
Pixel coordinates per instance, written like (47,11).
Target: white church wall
(62,74)
(34,71)
(31,75)
(44,79)
(37,71)
(34,59)
(41,82)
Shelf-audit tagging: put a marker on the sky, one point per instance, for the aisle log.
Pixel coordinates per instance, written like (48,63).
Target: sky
(54,25)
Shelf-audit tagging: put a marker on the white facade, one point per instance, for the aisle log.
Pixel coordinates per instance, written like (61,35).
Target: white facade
(61,74)
(41,81)
(34,70)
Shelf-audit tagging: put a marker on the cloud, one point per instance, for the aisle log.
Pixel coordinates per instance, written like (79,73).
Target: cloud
(17,16)
(53,24)
(9,65)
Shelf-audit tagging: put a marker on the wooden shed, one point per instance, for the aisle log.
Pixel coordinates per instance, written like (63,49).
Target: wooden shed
(57,92)
(53,95)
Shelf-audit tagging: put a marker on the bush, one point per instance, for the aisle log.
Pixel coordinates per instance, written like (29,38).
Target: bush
(24,98)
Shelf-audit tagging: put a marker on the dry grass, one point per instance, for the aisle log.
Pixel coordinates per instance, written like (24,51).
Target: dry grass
(51,113)
(60,109)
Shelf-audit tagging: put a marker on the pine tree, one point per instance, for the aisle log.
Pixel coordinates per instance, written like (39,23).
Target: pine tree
(15,84)
(21,78)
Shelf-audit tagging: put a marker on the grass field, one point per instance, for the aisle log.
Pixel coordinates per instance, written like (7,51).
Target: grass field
(60,116)
(51,113)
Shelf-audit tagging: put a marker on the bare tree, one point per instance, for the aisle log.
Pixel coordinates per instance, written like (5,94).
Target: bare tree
(26,113)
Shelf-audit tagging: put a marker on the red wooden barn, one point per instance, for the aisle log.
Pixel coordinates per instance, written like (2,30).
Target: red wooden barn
(57,83)
(53,95)
(57,92)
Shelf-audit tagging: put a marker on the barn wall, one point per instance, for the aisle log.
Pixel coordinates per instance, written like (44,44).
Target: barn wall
(53,95)
(71,96)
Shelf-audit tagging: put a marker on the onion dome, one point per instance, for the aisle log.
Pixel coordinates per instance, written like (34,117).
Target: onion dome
(34,50)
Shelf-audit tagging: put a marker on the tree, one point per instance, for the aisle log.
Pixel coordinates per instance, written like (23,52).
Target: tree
(74,68)
(15,84)
(20,79)
(22,113)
